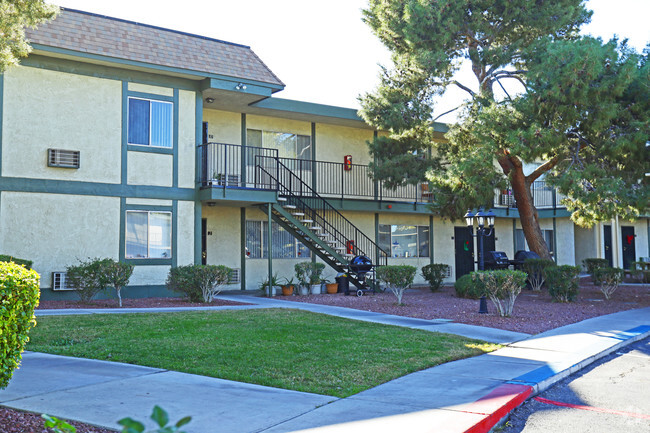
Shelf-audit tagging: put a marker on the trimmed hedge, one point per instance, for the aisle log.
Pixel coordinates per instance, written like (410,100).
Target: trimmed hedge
(535,269)
(26,263)
(435,273)
(502,286)
(466,287)
(19,295)
(609,279)
(592,264)
(563,282)
(397,277)
(198,282)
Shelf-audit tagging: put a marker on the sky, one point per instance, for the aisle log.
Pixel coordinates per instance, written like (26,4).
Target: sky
(321,49)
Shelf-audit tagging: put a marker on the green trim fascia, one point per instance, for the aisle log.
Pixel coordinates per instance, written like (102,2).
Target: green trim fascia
(314,177)
(377,235)
(108,72)
(555,241)
(237,195)
(542,213)
(269,244)
(174,233)
(129,292)
(150,149)
(161,68)
(151,262)
(514,236)
(2,86)
(230,84)
(122,247)
(375,183)
(242,243)
(154,96)
(125,138)
(176,127)
(311,108)
(244,139)
(647,234)
(20,184)
(374,206)
(198,135)
(198,216)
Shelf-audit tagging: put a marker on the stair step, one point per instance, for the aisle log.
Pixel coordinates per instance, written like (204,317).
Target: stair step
(307,221)
(297,214)
(289,206)
(282,199)
(316,228)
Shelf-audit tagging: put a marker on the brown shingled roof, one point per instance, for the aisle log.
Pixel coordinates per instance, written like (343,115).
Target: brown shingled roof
(106,36)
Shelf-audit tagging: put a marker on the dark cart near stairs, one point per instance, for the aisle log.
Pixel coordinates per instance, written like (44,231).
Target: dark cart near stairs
(360,266)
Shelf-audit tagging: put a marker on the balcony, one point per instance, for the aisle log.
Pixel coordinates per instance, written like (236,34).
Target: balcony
(245,167)
(235,166)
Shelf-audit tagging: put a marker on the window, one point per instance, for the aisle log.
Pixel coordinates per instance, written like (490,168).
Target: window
(285,246)
(521,244)
(288,145)
(150,122)
(148,235)
(404,241)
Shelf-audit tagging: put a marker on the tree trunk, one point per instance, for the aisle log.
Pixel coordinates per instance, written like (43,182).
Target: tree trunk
(527,213)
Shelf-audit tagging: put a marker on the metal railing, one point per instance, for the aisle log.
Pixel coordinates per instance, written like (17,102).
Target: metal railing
(544,197)
(322,213)
(231,165)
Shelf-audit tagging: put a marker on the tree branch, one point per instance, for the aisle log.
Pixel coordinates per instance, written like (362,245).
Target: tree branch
(548,165)
(503,88)
(467,89)
(446,112)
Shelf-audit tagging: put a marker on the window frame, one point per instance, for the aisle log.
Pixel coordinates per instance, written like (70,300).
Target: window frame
(170,247)
(262,244)
(295,135)
(547,234)
(151,101)
(418,241)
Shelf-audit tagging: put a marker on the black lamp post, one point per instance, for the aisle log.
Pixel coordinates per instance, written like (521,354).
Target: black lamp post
(481,218)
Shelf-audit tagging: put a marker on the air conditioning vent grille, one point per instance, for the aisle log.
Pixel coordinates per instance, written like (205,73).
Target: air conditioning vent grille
(235,277)
(63,158)
(58,281)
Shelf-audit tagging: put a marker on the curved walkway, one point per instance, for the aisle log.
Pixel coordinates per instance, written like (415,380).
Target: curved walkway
(468,395)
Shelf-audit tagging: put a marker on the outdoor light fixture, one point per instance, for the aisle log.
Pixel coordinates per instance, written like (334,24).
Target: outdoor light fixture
(482,218)
(240,86)
(209,100)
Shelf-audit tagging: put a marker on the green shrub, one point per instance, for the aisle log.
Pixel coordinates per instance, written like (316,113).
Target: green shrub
(19,295)
(309,272)
(592,264)
(200,283)
(435,273)
(398,278)
(56,425)
(466,287)
(502,287)
(609,279)
(641,271)
(563,282)
(160,417)
(534,268)
(116,274)
(86,278)
(26,263)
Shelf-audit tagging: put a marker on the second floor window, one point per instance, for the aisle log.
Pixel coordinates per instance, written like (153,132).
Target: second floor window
(289,145)
(150,122)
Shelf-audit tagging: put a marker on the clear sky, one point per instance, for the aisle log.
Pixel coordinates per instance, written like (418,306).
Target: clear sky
(321,49)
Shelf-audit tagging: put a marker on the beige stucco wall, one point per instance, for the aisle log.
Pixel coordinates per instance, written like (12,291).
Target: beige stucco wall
(146,88)
(48,109)
(585,243)
(223,245)
(186,138)
(57,230)
(148,202)
(185,235)
(276,124)
(223,126)
(149,275)
(144,168)
(333,142)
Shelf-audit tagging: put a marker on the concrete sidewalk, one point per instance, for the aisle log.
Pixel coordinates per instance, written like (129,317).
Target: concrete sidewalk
(469,395)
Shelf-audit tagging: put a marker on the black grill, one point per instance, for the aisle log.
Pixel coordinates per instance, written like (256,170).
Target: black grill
(496,260)
(522,255)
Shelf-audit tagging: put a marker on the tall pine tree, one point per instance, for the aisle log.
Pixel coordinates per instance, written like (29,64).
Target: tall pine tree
(579,115)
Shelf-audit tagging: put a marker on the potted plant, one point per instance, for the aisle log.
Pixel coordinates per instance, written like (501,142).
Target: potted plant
(270,287)
(316,269)
(287,287)
(330,287)
(302,274)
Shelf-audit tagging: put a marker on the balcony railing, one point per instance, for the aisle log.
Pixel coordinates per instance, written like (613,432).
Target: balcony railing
(544,197)
(234,166)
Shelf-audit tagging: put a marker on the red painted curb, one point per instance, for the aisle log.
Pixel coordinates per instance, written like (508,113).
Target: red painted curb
(497,404)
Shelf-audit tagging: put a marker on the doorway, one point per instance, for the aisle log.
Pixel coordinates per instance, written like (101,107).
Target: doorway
(607,234)
(629,248)
(464,251)
(204,241)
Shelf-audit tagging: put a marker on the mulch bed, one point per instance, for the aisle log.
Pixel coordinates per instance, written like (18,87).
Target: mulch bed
(133,303)
(17,421)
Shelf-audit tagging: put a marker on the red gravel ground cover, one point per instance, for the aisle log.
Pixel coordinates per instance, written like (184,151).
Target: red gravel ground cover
(534,312)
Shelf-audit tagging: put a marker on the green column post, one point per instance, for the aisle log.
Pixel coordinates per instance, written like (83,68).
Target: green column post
(269,247)
(431,239)
(242,259)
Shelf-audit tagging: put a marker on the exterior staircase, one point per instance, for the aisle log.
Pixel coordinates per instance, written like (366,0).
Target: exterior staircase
(317,224)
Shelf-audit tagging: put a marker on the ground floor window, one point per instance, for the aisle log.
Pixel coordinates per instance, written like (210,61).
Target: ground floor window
(284,245)
(404,241)
(521,244)
(148,235)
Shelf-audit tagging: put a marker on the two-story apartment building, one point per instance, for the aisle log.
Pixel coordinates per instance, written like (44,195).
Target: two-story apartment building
(161,148)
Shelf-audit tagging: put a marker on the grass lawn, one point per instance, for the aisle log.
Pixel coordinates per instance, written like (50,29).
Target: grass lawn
(275,347)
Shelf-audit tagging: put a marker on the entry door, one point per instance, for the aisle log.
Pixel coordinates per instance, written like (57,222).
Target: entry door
(204,241)
(629,248)
(607,234)
(464,247)
(488,245)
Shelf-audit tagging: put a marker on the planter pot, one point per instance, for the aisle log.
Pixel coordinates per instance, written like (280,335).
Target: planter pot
(274,290)
(332,288)
(315,289)
(287,290)
(304,290)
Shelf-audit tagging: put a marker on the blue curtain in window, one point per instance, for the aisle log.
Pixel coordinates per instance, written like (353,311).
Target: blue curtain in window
(138,121)
(161,124)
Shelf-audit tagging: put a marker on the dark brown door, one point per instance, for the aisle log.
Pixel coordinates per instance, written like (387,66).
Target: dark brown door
(607,234)
(464,246)
(629,248)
